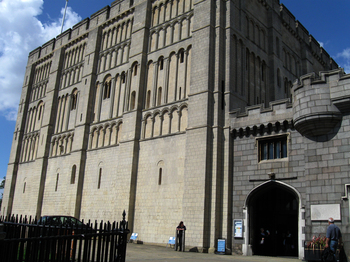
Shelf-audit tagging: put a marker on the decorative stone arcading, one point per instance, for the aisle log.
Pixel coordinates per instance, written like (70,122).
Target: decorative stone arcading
(314,113)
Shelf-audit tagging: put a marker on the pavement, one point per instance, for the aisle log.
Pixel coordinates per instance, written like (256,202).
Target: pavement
(157,253)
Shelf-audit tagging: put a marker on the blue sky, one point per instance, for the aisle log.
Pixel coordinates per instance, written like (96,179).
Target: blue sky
(27,24)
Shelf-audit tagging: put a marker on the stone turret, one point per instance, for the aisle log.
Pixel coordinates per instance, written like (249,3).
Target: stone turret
(317,105)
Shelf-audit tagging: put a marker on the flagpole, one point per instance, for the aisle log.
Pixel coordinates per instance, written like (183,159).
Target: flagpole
(64,16)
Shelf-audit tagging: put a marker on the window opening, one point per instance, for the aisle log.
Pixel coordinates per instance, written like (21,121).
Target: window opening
(72,179)
(57,177)
(159,100)
(74,101)
(273,148)
(160,176)
(107,90)
(99,179)
(182,56)
(148,99)
(161,63)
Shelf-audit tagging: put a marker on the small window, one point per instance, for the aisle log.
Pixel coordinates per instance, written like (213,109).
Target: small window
(161,63)
(182,56)
(272,148)
(148,99)
(123,78)
(99,179)
(133,99)
(74,101)
(107,90)
(160,176)
(74,170)
(24,187)
(159,97)
(57,177)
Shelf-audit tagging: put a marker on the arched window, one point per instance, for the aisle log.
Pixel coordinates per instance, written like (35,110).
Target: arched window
(57,177)
(132,102)
(72,178)
(107,90)
(40,111)
(161,63)
(99,179)
(182,56)
(148,99)
(135,70)
(160,176)
(123,78)
(74,100)
(159,97)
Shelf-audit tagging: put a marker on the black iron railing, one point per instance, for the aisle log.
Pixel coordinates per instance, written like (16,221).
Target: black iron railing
(27,241)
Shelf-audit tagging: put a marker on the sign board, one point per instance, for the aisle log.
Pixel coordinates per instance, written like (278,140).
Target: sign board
(134,236)
(221,246)
(171,241)
(238,228)
(324,212)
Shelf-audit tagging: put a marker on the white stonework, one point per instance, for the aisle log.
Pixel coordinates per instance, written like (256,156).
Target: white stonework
(185,110)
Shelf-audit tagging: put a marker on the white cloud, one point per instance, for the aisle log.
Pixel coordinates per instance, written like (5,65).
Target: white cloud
(20,33)
(344,59)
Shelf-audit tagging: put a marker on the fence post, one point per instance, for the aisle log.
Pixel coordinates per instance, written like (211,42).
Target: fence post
(122,240)
(2,233)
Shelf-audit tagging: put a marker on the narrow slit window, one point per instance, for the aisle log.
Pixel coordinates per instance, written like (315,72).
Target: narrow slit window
(99,179)
(160,176)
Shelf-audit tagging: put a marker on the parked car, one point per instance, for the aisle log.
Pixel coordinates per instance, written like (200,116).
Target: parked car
(68,221)
(70,225)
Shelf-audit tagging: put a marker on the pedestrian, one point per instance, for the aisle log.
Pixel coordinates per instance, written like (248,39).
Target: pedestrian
(180,232)
(264,241)
(333,236)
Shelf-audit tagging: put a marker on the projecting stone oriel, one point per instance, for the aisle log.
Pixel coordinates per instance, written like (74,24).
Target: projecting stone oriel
(314,113)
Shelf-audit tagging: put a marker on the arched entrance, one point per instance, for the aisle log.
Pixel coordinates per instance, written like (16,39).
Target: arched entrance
(275,207)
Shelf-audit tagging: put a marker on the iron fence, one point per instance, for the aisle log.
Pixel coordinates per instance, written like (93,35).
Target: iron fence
(28,241)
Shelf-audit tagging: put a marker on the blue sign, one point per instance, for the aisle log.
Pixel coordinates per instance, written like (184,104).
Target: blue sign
(133,236)
(171,241)
(221,245)
(238,231)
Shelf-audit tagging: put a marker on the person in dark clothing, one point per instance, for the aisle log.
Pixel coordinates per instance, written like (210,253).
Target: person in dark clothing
(180,232)
(264,243)
(333,236)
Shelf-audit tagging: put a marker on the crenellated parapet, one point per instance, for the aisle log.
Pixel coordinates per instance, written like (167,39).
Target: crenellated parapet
(257,119)
(104,17)
(319,101)
(303,36)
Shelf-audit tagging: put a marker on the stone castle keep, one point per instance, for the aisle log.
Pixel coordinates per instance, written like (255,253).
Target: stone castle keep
(212,112)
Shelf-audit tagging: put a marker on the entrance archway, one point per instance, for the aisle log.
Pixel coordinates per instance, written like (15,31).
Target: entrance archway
(274,207)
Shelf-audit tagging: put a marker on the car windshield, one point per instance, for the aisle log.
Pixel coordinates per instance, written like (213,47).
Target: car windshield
(60,220)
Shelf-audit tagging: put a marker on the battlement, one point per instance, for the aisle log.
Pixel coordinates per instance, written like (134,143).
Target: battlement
(257,115)
(299,31)
(117,10)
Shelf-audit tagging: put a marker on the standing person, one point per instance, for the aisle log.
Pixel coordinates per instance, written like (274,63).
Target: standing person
(333,236)
(263,241)
(180,232)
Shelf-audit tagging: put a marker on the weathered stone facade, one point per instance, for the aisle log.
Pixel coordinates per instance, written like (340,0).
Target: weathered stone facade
(184,110)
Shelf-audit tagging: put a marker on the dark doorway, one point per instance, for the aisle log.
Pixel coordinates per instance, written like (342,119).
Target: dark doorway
(274,208)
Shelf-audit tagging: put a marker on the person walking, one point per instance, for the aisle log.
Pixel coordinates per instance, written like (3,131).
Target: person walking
(333,236)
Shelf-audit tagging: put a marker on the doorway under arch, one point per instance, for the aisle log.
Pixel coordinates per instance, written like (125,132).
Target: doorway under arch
(275,207)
